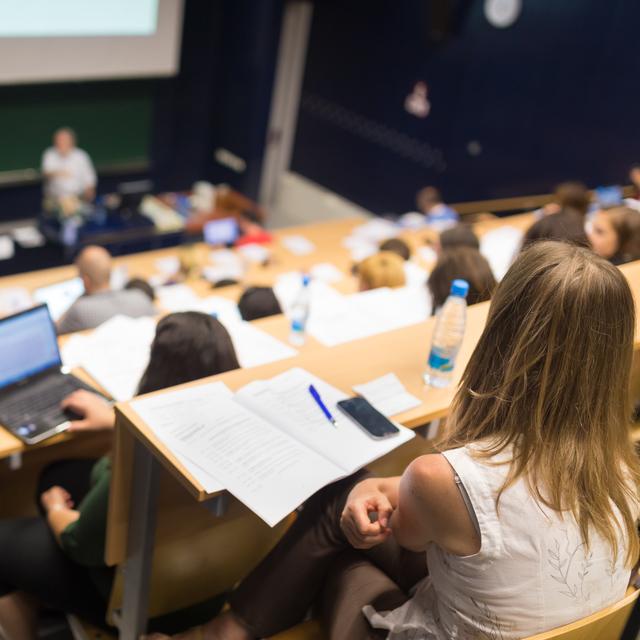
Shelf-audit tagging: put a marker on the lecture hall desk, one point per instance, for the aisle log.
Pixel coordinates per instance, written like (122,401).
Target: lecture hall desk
(133,501)
(326,236)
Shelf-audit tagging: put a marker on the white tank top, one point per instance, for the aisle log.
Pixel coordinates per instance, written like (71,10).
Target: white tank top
(532,573)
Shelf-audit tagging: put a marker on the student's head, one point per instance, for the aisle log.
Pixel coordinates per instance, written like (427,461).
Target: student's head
(187,346)
(64,140)
(574,196)
(461,262)
(382,269)
(427,198)
(634,174)
(461,235)
(94,268)
(548,384)
(141,285)
(565,226)
(396,245)
(258,302)
(615,234)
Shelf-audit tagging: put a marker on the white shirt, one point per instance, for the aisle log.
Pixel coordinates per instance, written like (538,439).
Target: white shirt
(79,172)
(532,572)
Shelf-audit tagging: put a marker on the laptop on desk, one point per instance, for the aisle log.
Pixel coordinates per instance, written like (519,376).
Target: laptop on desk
(32,379)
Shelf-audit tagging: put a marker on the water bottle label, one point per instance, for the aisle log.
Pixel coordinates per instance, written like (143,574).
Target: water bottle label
(440,362)
(297,325)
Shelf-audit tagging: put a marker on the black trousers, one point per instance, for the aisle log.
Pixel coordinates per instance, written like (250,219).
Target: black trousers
(31,560)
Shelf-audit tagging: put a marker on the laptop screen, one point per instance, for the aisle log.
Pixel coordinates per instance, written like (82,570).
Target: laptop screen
(221,232)
(59,296)
(28,344)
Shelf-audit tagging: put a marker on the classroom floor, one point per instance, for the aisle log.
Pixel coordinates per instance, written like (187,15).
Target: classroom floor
(301,201)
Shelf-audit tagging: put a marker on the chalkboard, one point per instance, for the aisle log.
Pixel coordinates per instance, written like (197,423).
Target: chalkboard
(112,121)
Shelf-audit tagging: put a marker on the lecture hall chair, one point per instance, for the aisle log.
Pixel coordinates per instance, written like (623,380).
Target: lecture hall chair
(607,624)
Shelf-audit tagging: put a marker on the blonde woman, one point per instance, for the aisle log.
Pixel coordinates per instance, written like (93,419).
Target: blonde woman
(526,520)
(382,269)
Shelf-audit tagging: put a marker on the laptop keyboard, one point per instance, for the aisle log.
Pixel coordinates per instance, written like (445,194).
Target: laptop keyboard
(41,402)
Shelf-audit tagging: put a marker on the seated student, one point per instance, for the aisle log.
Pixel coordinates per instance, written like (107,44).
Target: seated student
(461,262)
(515,522)
(565,226)
(382,269)
(57,560)
(462,235)
(141,285)
(615,234)
(258,302)
(396,245)
(437,213)
(100,302)
(572,195)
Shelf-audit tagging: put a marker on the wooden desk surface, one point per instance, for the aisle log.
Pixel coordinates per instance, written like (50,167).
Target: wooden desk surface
(402,352)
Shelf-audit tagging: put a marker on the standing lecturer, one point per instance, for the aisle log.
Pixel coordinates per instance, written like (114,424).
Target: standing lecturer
(68,171)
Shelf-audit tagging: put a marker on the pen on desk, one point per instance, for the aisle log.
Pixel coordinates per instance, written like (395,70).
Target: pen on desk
(316,396)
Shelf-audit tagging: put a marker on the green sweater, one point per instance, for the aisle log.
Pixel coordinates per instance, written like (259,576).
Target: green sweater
(83,541)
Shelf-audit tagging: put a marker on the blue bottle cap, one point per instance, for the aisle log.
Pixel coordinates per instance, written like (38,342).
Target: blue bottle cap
(459,288)
(306,279)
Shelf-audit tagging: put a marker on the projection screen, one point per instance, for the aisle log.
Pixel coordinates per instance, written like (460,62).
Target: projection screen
(67,40)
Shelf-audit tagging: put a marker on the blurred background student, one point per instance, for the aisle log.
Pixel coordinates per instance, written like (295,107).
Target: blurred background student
(614,234)
(57,560)
(258,302)
(436,212)
(565,226)
(382,269)
(461,262)
(100,302)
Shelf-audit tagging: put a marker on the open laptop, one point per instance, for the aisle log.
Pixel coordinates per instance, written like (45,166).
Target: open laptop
(221,232)
(32,380)
(59,296)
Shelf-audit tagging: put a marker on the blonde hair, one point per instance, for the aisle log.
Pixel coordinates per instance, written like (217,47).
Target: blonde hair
(383,269)
(549,378)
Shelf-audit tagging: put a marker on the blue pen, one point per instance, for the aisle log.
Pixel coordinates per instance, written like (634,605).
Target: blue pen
(316,396)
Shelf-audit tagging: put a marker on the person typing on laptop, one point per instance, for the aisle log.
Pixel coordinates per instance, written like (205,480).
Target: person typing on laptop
(100,302)
(57,559)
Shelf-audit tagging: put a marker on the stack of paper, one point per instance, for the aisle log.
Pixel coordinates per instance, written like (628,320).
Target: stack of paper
(28,237)
(269,444)
(388,395)
(500,247)
(116,354)
(177,297)
(298,245)
(14,299)
(288,286)
(368,313)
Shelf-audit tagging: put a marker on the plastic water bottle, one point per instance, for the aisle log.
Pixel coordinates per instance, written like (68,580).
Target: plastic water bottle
(299,313)
(447,336)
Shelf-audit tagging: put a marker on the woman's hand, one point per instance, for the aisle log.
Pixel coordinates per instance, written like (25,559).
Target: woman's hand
(56,498)
(97,414)
(361,529)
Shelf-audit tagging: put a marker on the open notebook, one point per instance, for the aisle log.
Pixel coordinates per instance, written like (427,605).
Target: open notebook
(268,444)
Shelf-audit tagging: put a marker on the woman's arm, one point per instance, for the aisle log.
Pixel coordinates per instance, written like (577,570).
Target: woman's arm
(432,509)
(423,505)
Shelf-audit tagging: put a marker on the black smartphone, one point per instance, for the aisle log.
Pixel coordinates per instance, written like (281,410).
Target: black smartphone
(368,417)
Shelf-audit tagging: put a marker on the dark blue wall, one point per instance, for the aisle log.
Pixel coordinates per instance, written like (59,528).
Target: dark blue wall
(554,97)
